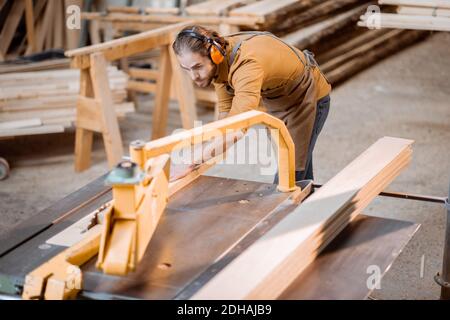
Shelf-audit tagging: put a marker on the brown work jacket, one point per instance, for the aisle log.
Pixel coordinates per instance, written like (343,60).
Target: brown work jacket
(266,74)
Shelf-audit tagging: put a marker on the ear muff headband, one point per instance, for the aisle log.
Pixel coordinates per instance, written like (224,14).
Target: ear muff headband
(216,52)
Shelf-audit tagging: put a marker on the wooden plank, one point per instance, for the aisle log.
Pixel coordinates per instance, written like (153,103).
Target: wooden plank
(162,95)
(20,124)
(39,9)
(184,90)
(311,34)
(36,66)
(110,131)
(391,20)
(31,131)
(346,46)
(263,8)
(418,3)
(424,11)
(59,25)
(29,20)
(216,7)
(169,19)
(153,10)
(373,55)
(43,26)
(10,26)
(268,267)
(147,74)
(125,46)
(201,94)
(336,62)
(340,271)
(311,12)
(83,137)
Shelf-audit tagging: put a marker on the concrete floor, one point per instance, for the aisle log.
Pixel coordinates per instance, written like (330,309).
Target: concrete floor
(406,95)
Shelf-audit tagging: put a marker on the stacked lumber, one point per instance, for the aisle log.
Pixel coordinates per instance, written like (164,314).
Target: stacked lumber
(433,15)
(341,47)
(29,26)
(45,101)
(266,268)
(326,27)
(26,66)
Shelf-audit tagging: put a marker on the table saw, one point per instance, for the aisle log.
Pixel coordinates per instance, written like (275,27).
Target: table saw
(203,228)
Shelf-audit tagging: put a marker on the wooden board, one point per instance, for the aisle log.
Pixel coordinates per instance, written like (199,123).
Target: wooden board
(414,22)
(424,11)
(418,3)
(216,7)
(10,26)
(305,36)
(341,270)
(266,268)
(263,8)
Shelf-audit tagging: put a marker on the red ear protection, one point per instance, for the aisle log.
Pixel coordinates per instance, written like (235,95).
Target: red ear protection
(216,52)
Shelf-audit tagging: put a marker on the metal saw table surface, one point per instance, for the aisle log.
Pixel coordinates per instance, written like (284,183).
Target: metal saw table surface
(205,225)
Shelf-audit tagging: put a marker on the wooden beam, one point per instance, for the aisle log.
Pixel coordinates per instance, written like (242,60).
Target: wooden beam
(216,7)
(102,93)
(162,94)
(418,11)
(373,55)
(124,47)
(184,90)
(267,267)
(42,28)
(59,26)
(340,59)
(311,34)
(29,20)
(83,136)
(168,19)
(392,20)
(10,26)
(31,131)
(418,3)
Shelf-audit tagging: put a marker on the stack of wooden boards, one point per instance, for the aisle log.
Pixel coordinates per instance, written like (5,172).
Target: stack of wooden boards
(266,268)
(411,14)
(29,26)
(326,27)
(45,101)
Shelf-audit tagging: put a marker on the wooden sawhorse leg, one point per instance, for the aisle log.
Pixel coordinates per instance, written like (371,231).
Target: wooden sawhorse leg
(95,113)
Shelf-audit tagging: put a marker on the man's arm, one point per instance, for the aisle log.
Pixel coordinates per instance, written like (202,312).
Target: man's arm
(247,81)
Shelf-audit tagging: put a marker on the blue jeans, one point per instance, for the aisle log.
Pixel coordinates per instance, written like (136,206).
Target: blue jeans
(323,106)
